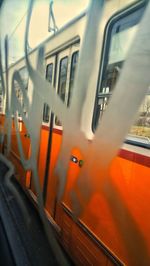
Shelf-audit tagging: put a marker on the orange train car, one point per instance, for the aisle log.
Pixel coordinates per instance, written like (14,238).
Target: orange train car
(95,238)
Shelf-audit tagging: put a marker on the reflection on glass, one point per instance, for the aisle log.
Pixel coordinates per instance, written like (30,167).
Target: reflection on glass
(49,73)
(141,127)
(46,109)
(72,74)
(122,34)
(63,78)
(62,83)
(24,76)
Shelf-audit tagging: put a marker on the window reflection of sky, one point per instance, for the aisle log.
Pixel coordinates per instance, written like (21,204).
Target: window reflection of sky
(120,44)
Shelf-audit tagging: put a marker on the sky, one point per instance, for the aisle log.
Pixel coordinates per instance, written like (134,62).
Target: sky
(13,19)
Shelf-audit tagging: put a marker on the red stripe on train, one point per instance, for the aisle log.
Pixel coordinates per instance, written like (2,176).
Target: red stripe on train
(135,157)
(125,154)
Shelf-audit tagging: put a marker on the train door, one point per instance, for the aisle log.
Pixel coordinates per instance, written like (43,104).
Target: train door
(66,65)
(45,127)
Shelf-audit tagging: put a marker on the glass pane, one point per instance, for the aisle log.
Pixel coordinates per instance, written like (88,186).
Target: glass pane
(63,78)
(46,109)
(122,34)
(72,74)
(25,77)
(62,83)
(141,127)
(49,72)
(117,54)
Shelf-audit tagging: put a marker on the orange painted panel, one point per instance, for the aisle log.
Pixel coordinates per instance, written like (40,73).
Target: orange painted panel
(73,171)
(52,180)
(42,157)
(72,175)
(110,263)
(120,215)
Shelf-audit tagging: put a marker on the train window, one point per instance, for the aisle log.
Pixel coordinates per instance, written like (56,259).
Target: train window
(46,112)
(49,72)
(74,61)
(62,83)
(63,78)
(121,29)
(24,76)
(46,109)
(25,79)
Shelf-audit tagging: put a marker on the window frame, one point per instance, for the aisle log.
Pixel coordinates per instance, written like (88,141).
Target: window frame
(104,59)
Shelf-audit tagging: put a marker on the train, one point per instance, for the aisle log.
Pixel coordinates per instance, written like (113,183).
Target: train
(113,226)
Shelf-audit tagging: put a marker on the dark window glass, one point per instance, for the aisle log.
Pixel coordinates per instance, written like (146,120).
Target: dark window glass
(46,109)
(63,78)
(25,76)
(119,37)
(72,74)
(49,72)
(62,83)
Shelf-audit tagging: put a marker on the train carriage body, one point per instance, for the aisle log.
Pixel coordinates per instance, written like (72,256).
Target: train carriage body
(104,234)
